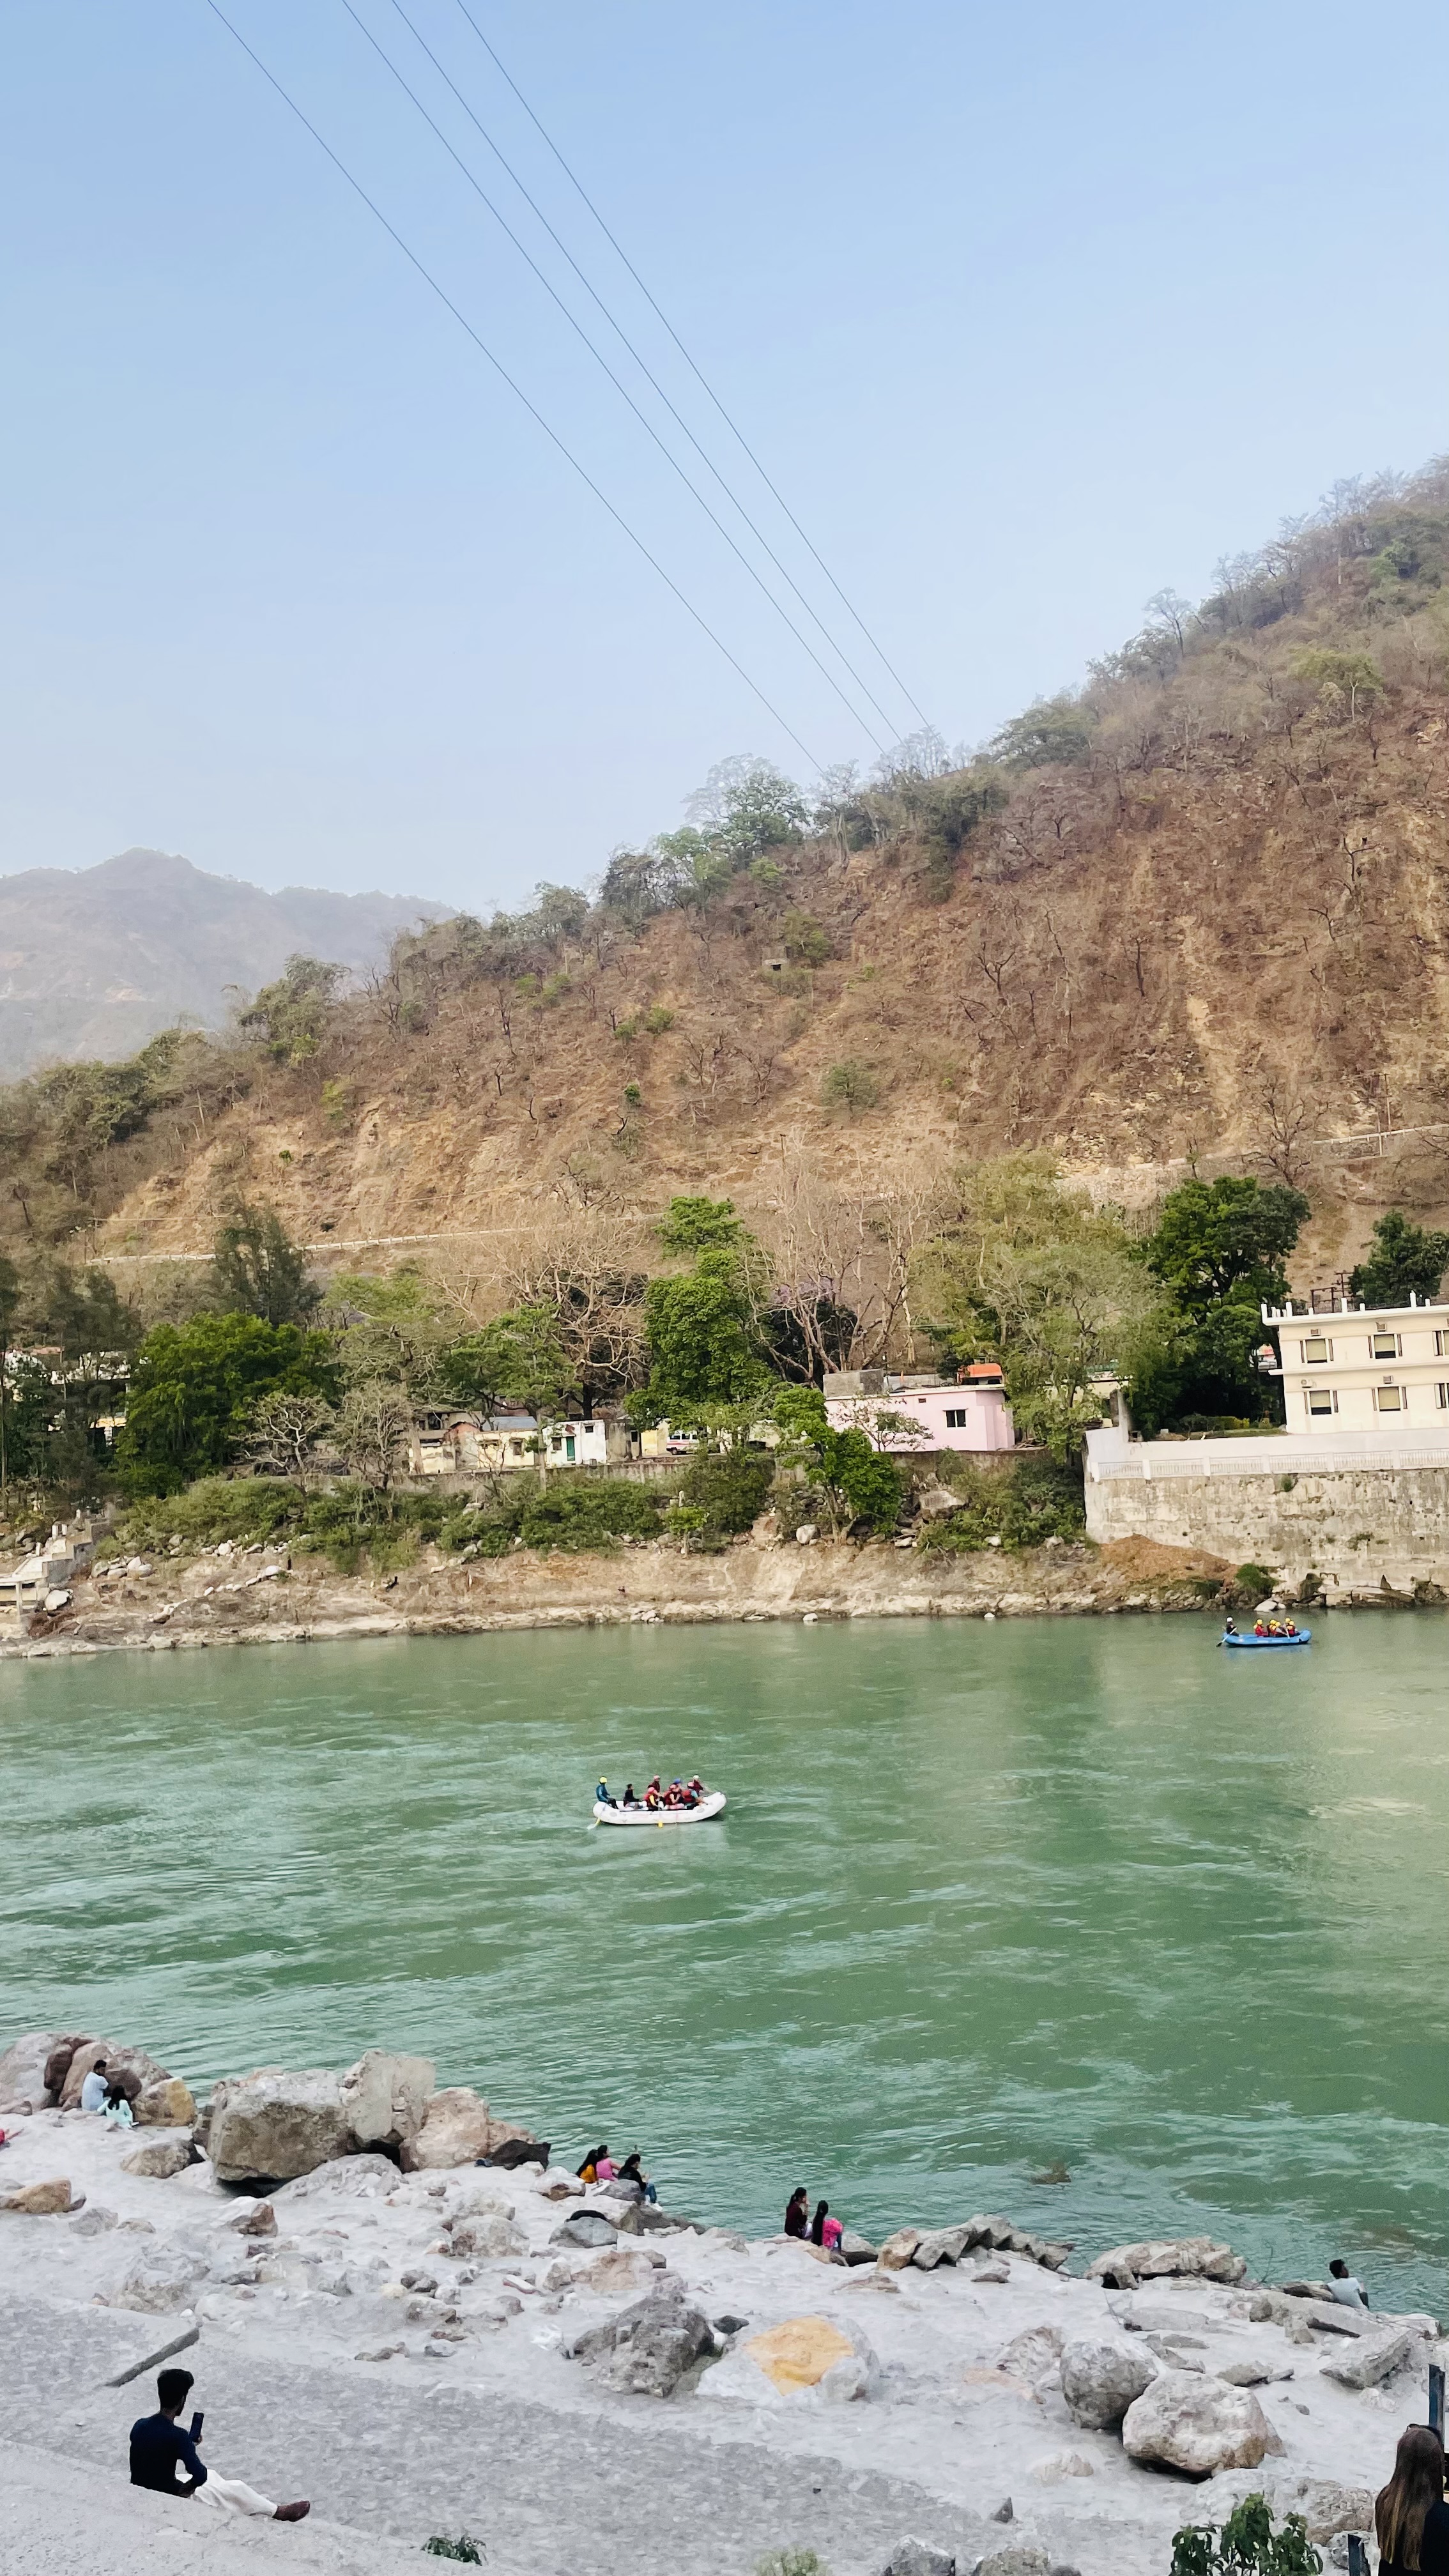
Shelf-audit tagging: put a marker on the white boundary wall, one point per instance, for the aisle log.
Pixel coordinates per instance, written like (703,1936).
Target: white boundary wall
(1361,1509)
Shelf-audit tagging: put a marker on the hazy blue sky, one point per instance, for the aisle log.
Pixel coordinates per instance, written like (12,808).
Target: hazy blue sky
(1029,311)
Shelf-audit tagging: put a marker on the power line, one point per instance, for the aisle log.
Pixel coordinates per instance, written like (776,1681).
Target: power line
(636,354)
(620,387)
(513,386)
(732,425)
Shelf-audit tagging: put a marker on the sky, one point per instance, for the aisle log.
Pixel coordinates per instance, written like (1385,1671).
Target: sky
(1027,313)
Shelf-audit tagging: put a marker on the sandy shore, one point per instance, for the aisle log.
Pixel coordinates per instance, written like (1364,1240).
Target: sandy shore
(404,2411)
(263,1598)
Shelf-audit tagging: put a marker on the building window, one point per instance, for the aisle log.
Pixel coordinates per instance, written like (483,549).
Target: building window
(956,1418)
(1316,1351)
(1384,1346)
(1321,1399)
(1441,1345)
(1442,1392)
(1390,1399)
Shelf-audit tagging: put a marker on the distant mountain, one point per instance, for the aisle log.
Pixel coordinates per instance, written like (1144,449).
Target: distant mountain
(93,961)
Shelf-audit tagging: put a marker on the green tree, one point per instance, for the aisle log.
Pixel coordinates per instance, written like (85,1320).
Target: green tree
(259,1270)
(195,1387)
(1034,1276)
(857,1482)
(1347,680)
(519,1359)
(398,1329)
(1219,1247)
(728,1486)
(703,1340)
(1403,1261)
(699,1225)
(291,1015)
(1052,730)
(850,1086)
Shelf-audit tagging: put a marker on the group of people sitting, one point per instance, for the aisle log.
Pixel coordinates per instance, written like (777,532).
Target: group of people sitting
(599,2166)
(111,2094)
(822,2229)
(1266,1625)
(680,1793)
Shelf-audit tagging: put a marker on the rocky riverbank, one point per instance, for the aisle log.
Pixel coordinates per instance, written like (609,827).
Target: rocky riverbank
(262,1596)
(593,2384)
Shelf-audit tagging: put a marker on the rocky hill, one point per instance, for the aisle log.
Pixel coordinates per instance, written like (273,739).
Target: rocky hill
(94,961)
(1195,909)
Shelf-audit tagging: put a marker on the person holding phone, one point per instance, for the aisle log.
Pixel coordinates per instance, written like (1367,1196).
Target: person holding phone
(166,2459)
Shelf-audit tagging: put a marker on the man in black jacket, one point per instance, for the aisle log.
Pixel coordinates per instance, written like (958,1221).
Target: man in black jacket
(166,2459)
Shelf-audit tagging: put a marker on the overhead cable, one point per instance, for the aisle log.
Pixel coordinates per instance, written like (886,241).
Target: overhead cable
(620,387)
(512,383)
(640,361)
(730,423)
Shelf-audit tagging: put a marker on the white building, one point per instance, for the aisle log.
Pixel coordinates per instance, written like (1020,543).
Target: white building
(472,1444)
(1380,1369)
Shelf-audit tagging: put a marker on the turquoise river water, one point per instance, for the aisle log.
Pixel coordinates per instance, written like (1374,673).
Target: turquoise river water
(988,1901)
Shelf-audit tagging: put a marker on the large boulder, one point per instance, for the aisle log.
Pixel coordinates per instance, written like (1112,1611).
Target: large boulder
(1327,2508)
(170,2105)
(1197,2426)
(1101,2378)
(385,2098)
(455,2130)
(129,2066)
(41,2199)
(161,2157)
(487,2239)
(165,2277)
(359,2177)
(586,2227)
(22,2071)
(1374,2357)
(274,2124)
(647,2351)
(809,2360)
(1162,2258)
(911,2557)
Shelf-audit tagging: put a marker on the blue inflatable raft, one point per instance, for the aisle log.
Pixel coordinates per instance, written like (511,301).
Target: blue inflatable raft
(1303,1638)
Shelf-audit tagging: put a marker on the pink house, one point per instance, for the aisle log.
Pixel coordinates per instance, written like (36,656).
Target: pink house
(932,1412)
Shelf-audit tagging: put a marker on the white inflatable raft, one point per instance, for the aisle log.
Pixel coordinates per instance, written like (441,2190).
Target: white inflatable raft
(709,1807)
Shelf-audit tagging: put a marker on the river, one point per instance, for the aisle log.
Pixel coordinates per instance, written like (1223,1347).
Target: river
(991,1904)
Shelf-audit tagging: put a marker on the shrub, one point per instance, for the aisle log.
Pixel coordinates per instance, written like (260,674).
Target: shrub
(850,1086)
(806,942)
(242,1509)
(472,2552)
(1022,1504)
(1245,2545)
(1254,1579)
(657,1020)
(727,1487)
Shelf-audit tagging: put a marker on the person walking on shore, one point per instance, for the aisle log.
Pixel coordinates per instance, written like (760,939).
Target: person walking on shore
(166,2459)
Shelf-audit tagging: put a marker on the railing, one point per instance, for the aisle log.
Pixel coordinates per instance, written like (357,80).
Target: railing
(1151,1462)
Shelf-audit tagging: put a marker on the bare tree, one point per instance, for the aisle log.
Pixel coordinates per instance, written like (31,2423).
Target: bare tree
(373,1424)
(284,1433)
(832,1245)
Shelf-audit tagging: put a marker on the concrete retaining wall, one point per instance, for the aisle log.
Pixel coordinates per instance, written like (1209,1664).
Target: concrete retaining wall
(1358,1527)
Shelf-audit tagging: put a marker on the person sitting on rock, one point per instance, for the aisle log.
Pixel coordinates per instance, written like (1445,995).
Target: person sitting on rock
(817,2224)
(167,2460)
(631,2170)
(1343,2287)
(117,2107)
(95,2091)
(604,2165)
(589,2169)
(1411,2518)
(797,2212)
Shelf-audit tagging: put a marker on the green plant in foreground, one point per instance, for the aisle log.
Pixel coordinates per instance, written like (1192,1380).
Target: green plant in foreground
(1245,2545)
(792,2562)
(472,2552)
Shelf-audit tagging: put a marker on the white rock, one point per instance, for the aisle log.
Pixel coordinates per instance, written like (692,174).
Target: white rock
(1102,2378)
(1364,2364)
(1198,2426)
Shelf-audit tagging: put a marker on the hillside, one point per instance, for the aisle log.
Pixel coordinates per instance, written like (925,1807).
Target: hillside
(1195,909)
(94,961)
